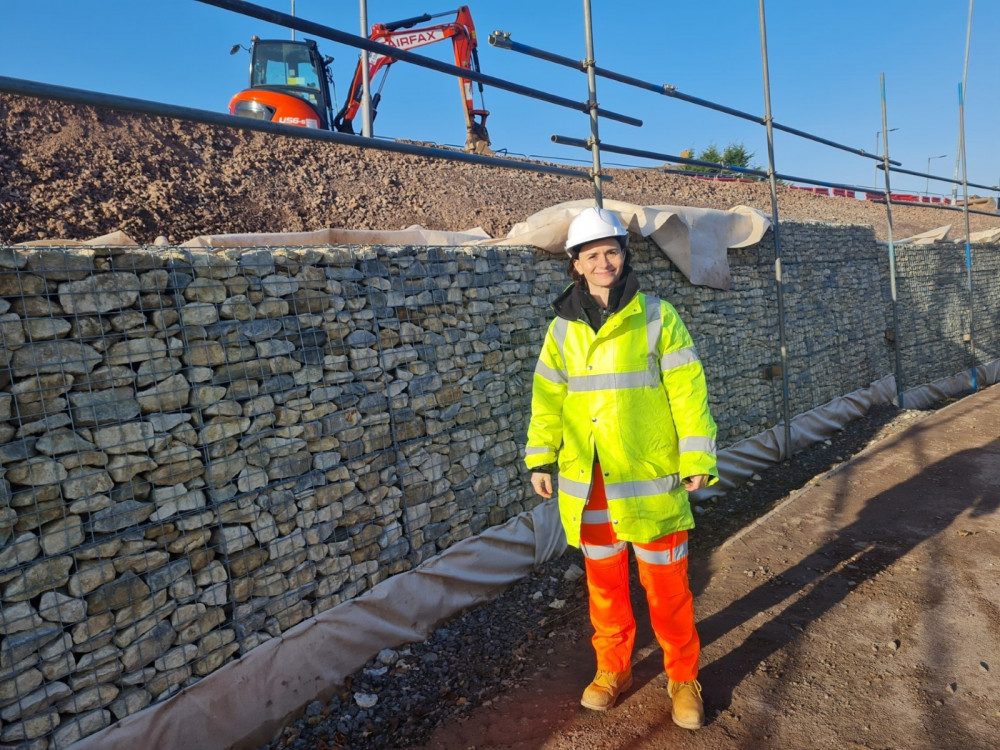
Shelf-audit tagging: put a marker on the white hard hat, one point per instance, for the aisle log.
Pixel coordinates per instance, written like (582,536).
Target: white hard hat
(593,224)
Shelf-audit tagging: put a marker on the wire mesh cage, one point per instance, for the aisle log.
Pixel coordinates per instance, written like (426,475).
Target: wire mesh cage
(202,450)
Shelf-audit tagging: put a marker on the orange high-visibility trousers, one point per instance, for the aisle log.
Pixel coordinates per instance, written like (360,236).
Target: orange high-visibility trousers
(663,574)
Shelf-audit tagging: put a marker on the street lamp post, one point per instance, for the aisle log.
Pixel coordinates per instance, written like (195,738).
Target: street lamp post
(927,187)
(877,134)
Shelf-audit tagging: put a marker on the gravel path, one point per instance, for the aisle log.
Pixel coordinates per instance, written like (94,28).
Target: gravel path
(402,695)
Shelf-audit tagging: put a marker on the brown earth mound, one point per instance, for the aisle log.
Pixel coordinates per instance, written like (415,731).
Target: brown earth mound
(75,172)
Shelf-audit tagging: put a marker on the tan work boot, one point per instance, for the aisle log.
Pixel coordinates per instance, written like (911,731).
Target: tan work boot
(688,709)
(602,693)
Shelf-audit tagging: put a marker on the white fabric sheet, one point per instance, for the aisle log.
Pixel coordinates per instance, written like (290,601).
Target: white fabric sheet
(695,239)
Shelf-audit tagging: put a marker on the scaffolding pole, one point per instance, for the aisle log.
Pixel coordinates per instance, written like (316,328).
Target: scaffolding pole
(892,249)
(965,81)
(502,40)
(968,247)
(772,179)
(366,83)
(595,141)
(364,43)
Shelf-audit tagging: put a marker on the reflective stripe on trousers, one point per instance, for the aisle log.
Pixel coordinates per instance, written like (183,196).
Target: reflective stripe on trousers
(663,574)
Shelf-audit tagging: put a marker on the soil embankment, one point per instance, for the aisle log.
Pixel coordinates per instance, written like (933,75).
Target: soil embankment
(74,172)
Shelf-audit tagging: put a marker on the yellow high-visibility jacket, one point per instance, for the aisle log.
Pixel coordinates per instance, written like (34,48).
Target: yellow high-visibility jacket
(632,395)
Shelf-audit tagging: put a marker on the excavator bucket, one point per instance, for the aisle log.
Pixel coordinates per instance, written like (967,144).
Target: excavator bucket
(477,140)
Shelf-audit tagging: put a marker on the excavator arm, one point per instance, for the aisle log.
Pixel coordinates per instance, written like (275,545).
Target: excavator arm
(405,35)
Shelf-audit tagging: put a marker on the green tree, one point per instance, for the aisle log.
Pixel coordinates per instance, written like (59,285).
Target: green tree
(735,154)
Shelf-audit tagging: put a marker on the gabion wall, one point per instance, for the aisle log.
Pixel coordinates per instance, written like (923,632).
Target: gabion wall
(200,450)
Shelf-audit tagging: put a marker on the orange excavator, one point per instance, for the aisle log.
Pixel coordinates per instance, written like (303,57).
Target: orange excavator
(290,81)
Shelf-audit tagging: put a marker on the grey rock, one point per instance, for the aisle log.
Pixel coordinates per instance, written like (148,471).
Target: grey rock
(58,263)
(199,314)
(170,394)
(119,593)
(99,293)
(135,351)
(150,647)
(101,407)
(16,618)
(128,437)
(12,258)
(361,338)
(23,549)
(43,576)
(86,482)
(62,535)
(121,516)
(41,329)
(161,578)
(57,607)
(20,684)
(154,370)
(59,443)
(261,330)
(129,701)
(31,728)
(18,647)
(276,285)
(54,357)
(89,576)
(256,262)
(36,472)
(76,729)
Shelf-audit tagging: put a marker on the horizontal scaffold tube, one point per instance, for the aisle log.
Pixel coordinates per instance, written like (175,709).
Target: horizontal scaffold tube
(157,109)
(502,40)
(652,155)
(360,42)
(950,180)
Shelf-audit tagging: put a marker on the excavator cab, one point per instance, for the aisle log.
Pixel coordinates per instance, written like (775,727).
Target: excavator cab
(289,83)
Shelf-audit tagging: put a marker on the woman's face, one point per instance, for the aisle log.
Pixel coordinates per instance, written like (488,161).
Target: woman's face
(600,262)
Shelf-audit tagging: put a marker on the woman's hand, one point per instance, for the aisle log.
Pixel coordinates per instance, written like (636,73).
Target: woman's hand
(542,483)
(696,482)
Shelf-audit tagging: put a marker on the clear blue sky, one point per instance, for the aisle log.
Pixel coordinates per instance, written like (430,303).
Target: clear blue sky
(825,60)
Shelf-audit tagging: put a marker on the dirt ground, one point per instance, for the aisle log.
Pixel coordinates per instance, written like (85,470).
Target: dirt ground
(74,172)
(861,612)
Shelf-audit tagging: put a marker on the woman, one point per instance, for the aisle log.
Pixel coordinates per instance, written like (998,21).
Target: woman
(619,398)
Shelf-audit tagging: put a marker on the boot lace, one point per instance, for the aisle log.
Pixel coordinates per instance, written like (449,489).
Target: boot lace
(693,685)
(608,679)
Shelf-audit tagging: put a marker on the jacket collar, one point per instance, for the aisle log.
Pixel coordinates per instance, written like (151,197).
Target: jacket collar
(575,303)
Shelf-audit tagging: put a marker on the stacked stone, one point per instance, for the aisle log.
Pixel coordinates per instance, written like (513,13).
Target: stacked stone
(836,312)
(201,450)
(933,293)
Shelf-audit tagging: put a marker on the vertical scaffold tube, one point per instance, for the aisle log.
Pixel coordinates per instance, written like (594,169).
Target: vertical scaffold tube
(595,142)
(785,406)
(968,247)
(892,249)
(366,84)
(965,81)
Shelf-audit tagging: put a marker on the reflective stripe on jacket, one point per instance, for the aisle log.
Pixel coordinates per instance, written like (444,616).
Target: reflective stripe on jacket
(634,391)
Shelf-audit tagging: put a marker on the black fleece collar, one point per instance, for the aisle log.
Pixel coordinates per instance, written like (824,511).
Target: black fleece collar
(575,303)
